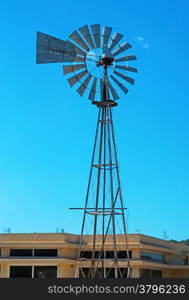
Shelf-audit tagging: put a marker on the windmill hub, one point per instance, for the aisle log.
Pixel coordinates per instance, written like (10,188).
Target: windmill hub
(105,61)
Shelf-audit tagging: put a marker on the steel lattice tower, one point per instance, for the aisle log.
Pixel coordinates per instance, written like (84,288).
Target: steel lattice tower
(107,210)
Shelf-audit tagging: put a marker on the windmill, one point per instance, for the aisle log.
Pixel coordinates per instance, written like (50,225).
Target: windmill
(96,64)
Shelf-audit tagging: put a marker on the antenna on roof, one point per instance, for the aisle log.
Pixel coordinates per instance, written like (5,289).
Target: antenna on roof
(7,230)
(165,235)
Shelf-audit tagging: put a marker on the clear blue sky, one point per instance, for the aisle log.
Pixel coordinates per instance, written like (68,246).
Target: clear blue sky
(46,129)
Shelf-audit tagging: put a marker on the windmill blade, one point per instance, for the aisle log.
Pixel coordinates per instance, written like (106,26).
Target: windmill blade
(107,52)
(115,40)
(72,68)
(76,49)
(74,36)
(84,85)
(113,91)
(86,34)
(126,58)
(106,32)
(122,87)
(128,79)
(96,34)
(52,50)
(124,46)
(74,79)
(78,59)
(93,90)
(127,68)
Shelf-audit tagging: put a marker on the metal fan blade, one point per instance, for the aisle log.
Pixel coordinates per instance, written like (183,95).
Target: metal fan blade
(106,32)
(128,79)
(126,58)
(72,68)
(52,50)
(96,34)
(76,49)
(84,85)
(127,68)
(122,87)
(113,91)
(78,59)
(78,40)
(121,48)
(115,40)
(86,34)
(72,80)
(93,90)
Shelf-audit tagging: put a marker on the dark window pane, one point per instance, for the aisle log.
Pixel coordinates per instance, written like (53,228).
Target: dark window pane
(99,273)
(145,273)
(20,252)
(109,254)
(122,272)
(20,271)
(185,261)
(98,254)
(105,254)
(86,254)
(45,252)
(156,274)
(123,254)
(156,257)
(84,272)
(45,272)
(110,272)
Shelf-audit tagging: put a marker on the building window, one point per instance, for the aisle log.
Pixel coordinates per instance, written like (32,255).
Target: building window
(103,273)
(147,273)
(45,272)
(123,272)
(152,257)
(105,254)
(20,252)
(45,252)
(120,254)
(109,254)
(21,272)
(124,254)
(34,252)
(33,272)
(84,272)
(88,254)
(185,260)
(110,272)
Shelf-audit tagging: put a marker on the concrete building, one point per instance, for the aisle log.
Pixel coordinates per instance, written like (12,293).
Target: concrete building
(54,255)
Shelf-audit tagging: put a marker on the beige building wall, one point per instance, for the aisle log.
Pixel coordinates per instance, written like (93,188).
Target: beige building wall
(67,271)
(175,263)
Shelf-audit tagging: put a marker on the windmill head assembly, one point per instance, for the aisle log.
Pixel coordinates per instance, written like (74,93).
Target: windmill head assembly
(95,61)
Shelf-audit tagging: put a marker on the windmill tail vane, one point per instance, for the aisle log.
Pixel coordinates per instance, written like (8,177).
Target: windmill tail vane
(96,65)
